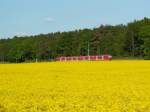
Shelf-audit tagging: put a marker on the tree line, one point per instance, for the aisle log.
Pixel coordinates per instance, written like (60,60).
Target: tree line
(131,40)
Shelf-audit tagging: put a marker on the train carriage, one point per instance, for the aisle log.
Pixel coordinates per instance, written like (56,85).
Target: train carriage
(85,58)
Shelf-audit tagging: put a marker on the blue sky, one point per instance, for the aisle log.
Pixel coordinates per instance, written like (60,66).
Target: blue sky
(29,17)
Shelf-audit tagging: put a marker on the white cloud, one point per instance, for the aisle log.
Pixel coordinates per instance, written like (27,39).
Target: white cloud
(21,34)
(49,19)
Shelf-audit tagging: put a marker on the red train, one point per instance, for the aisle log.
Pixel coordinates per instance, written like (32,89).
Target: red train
(85,58)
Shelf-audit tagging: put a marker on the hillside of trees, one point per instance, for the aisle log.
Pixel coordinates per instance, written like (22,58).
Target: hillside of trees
(131,40)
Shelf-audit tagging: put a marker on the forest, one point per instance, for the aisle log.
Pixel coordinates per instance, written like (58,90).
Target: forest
(121,41)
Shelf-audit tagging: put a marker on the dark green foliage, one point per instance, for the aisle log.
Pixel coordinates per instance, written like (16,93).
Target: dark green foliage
(132,40)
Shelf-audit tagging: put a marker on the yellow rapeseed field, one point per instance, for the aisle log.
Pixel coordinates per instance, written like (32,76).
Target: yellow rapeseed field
(115,86)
